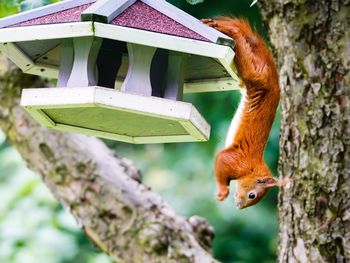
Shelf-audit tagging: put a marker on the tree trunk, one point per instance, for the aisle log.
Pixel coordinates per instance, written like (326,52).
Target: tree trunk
(102,191)
(311,40)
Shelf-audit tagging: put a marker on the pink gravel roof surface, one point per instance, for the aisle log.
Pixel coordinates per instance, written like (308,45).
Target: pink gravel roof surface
(141,16)
(66,16)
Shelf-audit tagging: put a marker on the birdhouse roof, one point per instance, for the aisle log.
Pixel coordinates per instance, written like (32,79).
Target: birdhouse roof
(138,15)
(151,15)
(31,38)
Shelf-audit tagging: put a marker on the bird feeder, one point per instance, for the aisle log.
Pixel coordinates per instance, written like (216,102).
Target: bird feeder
(121,66)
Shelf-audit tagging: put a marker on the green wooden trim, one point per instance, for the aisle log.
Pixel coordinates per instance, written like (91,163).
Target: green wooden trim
(94,17)
(59,101)
(212,85)
(226,42)
(17,56)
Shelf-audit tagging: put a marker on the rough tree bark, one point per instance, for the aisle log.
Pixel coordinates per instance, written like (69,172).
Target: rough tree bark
(102,191)
(311,40)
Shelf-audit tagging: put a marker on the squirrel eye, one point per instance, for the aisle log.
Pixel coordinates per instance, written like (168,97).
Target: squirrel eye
(252,195)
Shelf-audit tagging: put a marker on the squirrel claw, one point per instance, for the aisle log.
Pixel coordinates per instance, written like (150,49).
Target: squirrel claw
(210,22)
(206,20)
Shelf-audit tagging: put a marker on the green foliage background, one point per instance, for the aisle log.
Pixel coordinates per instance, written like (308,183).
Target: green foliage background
(35,228)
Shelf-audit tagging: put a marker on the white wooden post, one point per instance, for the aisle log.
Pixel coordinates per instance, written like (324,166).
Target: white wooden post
(138,79)
(66,62)
(175,76)
(83,73)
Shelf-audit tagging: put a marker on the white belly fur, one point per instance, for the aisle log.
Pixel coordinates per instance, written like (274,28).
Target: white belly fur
(235,123)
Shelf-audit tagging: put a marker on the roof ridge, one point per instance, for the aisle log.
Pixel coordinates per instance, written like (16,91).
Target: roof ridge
(104,11)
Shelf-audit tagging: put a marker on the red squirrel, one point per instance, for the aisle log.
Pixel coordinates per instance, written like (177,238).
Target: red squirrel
(242,158)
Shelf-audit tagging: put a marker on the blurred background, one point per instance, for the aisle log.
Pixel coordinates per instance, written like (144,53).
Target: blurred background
(35,228)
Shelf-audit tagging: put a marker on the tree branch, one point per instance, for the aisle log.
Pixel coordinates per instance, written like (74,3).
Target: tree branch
(102,191)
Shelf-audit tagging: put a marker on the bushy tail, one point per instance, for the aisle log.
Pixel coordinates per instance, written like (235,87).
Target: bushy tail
(253,59)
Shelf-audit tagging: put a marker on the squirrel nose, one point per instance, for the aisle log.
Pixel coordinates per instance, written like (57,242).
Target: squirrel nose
(239,204)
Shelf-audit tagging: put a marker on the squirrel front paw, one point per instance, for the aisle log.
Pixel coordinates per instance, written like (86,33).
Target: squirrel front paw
(222,194)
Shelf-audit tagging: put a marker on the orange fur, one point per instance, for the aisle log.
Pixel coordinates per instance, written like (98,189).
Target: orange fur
(243,159)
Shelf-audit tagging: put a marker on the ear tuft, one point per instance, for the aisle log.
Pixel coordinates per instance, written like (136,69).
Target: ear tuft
(285,182)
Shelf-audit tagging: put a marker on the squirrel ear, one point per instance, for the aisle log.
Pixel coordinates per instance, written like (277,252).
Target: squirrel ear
(267,182)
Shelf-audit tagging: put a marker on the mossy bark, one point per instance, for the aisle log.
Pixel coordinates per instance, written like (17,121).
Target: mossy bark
(311,41)
(102,191)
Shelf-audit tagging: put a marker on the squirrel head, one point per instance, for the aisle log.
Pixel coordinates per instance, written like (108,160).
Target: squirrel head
(252,187)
